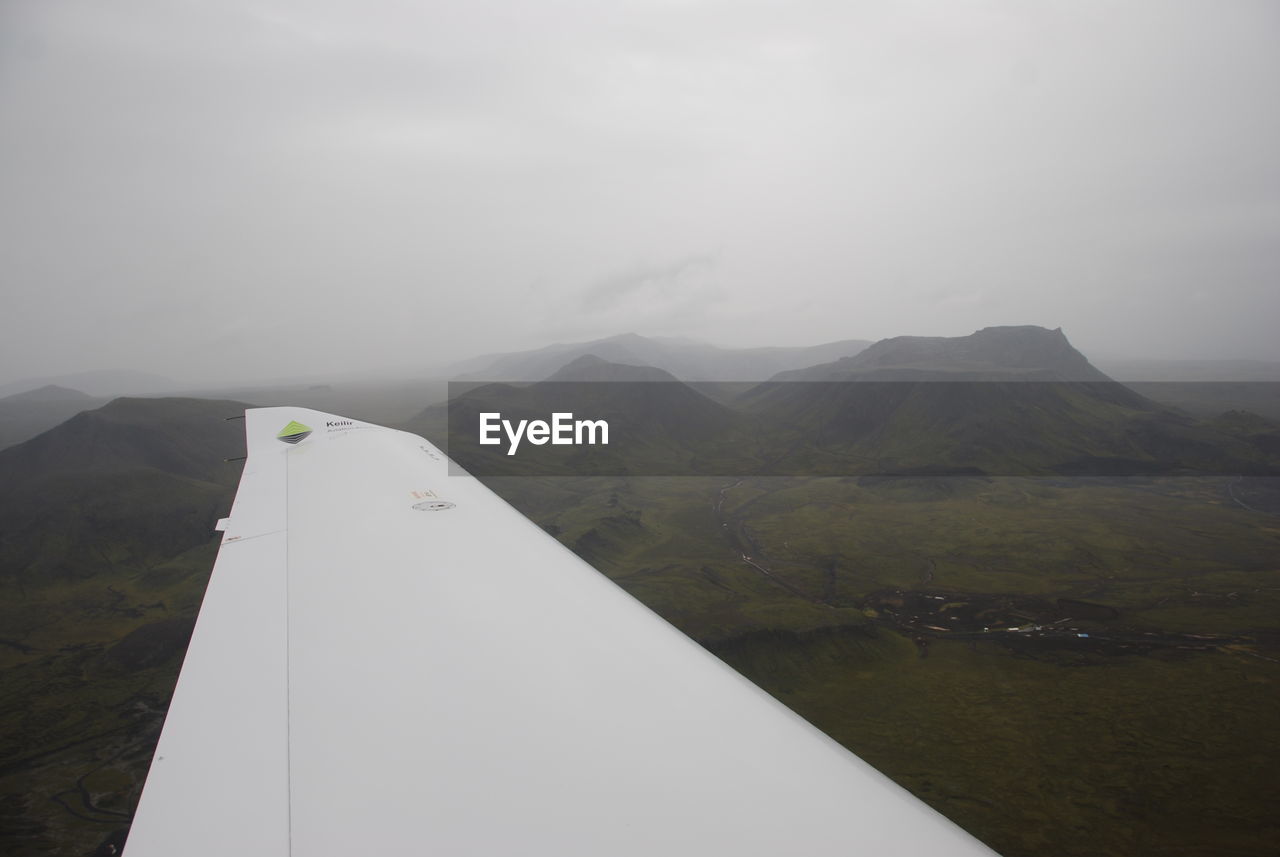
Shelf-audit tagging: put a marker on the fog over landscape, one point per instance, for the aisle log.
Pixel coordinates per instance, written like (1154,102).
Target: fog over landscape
(239,192)
(915,361)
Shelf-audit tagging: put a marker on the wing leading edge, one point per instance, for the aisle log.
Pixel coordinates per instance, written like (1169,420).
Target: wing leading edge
(390,659)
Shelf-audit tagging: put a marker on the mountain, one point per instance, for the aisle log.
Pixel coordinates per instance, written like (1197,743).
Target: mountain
(187,438)
(124,486)
(657,424)
(104,383)
(47,393)
(685,359)
(1001,400)
(590,368)
(1025,353)
(106,542)
(1018,401)
(27,414)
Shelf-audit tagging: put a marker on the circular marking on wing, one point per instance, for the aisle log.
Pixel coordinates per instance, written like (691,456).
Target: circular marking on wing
(433,506)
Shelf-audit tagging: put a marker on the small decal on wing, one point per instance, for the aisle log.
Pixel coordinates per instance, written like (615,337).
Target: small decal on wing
(294,432)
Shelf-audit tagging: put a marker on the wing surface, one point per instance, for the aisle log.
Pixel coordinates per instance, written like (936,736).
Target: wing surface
(391,660)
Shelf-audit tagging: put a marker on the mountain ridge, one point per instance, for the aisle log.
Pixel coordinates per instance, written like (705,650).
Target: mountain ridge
(47,393)
(686,360)
(1024,403)
(1022,352)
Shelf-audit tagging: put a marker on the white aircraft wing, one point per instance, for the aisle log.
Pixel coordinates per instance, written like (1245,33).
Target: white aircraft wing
(391,660)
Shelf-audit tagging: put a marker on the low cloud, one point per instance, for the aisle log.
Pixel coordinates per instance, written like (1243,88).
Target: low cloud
(681,281)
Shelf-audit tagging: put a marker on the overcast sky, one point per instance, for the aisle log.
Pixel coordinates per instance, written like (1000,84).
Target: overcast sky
(224,190)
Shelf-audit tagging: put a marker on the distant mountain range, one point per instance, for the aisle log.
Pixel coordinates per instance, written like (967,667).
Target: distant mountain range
(48,393)
(1004,400)
(657,423)
(687,360)
(1023,353)
(99,383)
(107,536)
(697,361)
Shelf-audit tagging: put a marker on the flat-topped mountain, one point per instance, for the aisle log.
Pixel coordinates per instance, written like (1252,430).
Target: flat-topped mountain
(1026,353)
(1001,400)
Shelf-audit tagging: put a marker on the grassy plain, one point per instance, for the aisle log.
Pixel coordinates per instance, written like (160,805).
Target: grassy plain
(1156,734)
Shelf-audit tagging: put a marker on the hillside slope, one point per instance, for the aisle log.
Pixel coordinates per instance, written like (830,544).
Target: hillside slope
(106,543)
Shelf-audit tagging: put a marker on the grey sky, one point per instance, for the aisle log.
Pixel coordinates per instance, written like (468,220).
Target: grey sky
(225,190)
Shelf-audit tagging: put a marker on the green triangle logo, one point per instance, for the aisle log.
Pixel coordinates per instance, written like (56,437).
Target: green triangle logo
(294,432)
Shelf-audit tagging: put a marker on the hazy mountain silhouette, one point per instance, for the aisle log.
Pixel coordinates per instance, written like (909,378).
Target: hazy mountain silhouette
(105,383)
(654,419)
(48,393)
(25,415)
(591,368)
(685,359)
(1017,400)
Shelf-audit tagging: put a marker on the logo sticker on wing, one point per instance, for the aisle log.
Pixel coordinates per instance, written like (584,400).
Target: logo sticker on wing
(294,432)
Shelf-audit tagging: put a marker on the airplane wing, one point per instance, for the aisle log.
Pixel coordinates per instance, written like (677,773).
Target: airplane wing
(389,659)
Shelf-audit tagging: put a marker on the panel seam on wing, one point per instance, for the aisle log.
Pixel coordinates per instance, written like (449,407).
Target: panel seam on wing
(233,540)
